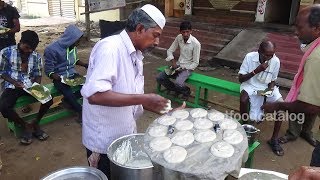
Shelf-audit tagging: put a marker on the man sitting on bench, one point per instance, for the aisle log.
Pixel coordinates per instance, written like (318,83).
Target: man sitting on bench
(60,60)
(257,75)
(20,67)
(189,59)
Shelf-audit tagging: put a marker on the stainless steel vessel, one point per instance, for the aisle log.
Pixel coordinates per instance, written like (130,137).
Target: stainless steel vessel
(252,133)
(122,172)
(76,173)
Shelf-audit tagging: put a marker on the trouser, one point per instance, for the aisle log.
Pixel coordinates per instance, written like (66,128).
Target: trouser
(69,96)
(315,159)
(103,164)
(1,86)
(8,100)
(296,127)
(179,84)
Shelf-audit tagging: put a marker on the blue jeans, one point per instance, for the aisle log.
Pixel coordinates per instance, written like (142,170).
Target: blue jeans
(69,97)
(315,160)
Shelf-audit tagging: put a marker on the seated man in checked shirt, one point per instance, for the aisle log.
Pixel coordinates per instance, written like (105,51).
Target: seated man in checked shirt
(20,67)
(189,59)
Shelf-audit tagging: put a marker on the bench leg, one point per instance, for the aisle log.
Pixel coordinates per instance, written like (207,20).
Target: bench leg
(158,88)
(205,97)
(252,148)
(14,128)
(249,162)
(197,96)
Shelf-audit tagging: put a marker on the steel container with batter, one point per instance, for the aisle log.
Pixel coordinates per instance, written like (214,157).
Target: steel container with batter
(122,172)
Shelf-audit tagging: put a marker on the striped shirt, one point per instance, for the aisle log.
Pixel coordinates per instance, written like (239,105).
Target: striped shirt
(10,64)
(115,65)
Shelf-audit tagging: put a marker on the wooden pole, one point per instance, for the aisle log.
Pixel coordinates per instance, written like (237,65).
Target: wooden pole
(168,6)
(87,19)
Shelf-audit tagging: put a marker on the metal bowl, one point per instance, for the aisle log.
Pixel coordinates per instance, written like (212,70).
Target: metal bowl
(76,173)
(252,133)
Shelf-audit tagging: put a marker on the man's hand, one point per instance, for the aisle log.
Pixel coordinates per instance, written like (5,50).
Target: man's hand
(270,107)
(180,107)
(154,102)
(261,67)
(305,173)
(174,64)
(18,85)
(56,77)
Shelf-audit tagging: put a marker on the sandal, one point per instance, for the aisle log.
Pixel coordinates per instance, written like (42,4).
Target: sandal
(276,148)
(41,135)
(26,138)
(286,138)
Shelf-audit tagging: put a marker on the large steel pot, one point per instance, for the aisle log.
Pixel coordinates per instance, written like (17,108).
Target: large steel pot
(77,172)
(122,172)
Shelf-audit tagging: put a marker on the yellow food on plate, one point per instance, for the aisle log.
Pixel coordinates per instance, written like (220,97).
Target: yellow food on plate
(37,93)
(3,30)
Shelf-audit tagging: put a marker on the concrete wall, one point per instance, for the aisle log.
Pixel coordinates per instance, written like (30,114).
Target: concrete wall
(37,8)
(109,15)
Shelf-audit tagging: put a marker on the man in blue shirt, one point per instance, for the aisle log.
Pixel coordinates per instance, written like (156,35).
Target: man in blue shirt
(60,60)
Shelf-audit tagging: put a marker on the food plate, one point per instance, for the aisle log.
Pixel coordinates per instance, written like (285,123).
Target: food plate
(76,81)
(4,30)
(265,93)
(41,93)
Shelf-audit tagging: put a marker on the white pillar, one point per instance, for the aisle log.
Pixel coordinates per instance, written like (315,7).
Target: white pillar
(261,10)
(188,7)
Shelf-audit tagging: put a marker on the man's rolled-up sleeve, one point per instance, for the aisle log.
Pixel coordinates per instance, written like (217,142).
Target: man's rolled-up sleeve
(102,72)
(276,70)
(310,87)
(244,68)
(172,49)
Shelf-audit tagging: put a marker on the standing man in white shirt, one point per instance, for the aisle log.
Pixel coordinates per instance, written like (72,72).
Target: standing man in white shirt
(113,94)
(189,59)
(259,72)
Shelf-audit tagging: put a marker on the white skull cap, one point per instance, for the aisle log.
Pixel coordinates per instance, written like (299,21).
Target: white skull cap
(155,14)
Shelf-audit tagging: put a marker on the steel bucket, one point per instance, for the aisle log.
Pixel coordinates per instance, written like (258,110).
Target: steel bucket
(252,133)
(122,172)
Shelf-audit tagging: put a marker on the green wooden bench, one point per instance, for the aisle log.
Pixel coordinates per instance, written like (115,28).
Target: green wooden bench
(53,114)
(205,83)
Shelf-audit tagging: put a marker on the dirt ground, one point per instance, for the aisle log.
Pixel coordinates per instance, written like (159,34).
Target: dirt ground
(64,147)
